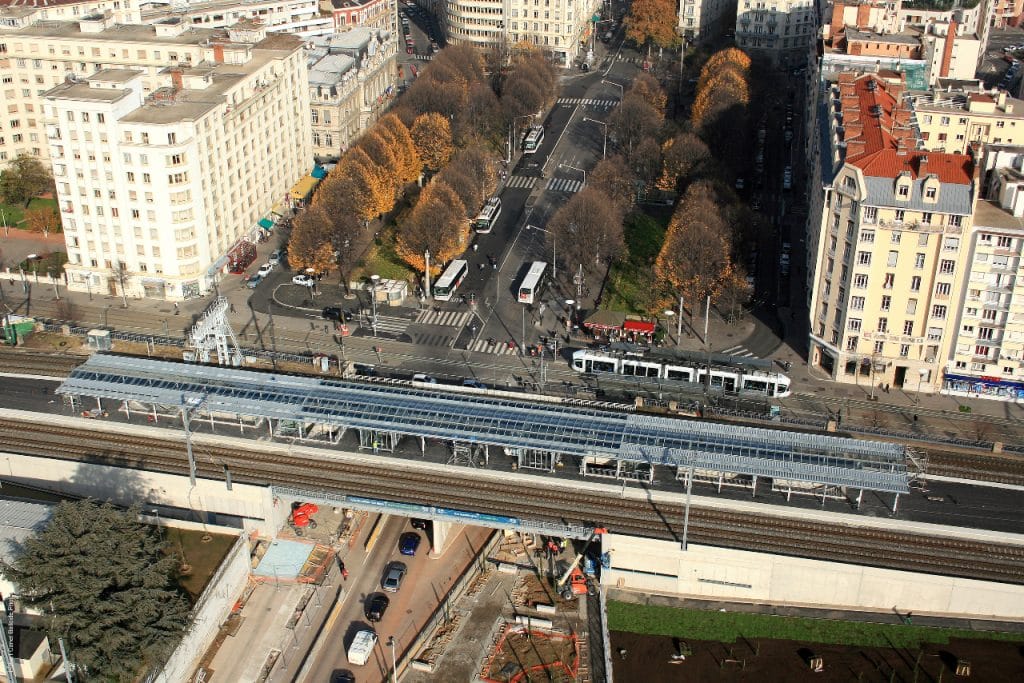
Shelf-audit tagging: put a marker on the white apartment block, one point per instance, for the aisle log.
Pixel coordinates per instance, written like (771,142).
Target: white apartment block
(352,77)
(987,358)
(701,19)
(378,14)
(561,28)
(783,31)
(301,17)
(886,239)
(165,167)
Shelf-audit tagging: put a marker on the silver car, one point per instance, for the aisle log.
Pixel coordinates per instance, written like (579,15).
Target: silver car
(393,575)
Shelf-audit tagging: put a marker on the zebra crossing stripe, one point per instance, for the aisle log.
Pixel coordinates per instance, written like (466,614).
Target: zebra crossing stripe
(564,185)
(497,348)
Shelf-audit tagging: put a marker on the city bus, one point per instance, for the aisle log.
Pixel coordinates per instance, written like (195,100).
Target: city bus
(488,215)
(451,278)
(533,282)
(532,139)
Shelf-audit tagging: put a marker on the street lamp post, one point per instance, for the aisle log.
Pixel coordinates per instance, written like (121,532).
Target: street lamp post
(604,149)
(373,302)
(426,274)
(574,168)
(920,379)
(512,130)
(669,314)
(394,667)
(622,92)
(554,249)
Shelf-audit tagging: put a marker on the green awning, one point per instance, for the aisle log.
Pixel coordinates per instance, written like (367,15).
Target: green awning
(266,223)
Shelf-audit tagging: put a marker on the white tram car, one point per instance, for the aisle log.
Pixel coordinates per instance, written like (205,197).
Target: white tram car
(731,379)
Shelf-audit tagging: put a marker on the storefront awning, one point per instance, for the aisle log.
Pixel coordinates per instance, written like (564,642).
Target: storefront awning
(638,326)
(605,320)
(985,381)
(266,224)
(302,189)
(319,172)
(217,265)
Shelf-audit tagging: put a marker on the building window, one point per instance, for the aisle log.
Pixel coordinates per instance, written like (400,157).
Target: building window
(864,258)
(947,266)
(886,302)
(895,237)
(890,280)
(930,193)
(1003,242)
(943,288)
(939,312)
(851,343)
(911,306)
(867,236)
(893,258)
(856,303)
(915,284)
(860,281)
(908,327)
(879,347)
(918,261)
(883,324)
(853,324)
(904,350)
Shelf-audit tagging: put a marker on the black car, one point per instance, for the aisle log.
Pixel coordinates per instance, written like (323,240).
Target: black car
(420,524)
(376,606)
(331,313)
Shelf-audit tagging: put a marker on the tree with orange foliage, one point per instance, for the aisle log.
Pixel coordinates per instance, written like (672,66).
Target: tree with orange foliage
(432,136)
(681,156)
(309,245)
(397,135)
(43,219)
(647,88)
(633,121)
(374,178)
(377,146)
(652,22)
(438,223)
(694,261)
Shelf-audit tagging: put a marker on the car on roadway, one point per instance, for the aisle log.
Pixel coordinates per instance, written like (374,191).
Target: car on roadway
(343,677)
(787,178)
(421,524)
(425,379)
(254,281)
(364,370)
(275,257)
(473,383)
(265,270)
(303,281)
(376,606)
(331,313)
(394,573)
(409,543)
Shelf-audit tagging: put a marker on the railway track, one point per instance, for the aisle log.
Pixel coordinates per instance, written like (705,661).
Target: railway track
(57,366)
(466,489)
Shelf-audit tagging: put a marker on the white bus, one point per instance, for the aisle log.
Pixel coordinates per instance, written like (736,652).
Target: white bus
(488,215)
(532,139)
(451,278)
(533,283)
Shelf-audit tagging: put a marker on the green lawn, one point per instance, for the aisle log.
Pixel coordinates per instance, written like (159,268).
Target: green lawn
(727,627)
(382,260)
(631,280)
(202,556)
(14,214)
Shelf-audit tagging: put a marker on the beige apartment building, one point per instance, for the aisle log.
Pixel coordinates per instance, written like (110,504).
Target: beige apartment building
(952,121)
(352,78)
(165,167)
(886,237)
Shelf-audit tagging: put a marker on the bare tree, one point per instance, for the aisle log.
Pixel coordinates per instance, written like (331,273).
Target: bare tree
(588,230)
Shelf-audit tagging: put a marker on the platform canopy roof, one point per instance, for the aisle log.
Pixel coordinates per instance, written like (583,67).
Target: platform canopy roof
(492,419)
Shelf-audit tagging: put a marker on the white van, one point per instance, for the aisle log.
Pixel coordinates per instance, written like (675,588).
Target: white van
(361,648)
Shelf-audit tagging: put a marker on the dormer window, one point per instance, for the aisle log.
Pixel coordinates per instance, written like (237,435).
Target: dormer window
(930,193)
(903,191)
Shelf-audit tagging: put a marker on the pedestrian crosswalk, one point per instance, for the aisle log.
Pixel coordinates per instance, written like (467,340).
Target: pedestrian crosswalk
(564,185)
(498,348)
(439,339)
(521,181)
(588,102)
(389,324)
(739,351)
(448,318)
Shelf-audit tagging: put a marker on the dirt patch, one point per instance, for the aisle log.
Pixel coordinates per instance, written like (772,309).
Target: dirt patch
(524,655)
(649,658)
(532,590)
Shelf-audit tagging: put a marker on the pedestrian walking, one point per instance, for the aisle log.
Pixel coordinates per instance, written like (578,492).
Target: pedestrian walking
(176,311)
(231,308)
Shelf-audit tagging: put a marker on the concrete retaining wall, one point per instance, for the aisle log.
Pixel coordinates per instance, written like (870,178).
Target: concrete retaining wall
(715,573)
(213,608)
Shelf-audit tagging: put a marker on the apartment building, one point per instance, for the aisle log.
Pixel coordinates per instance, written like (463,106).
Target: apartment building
(781,31)
(987,358)
(301,17)
(379,14)
(352,77)
(952,120)
(886,234)
(702,19)
(164,168)
(561,28)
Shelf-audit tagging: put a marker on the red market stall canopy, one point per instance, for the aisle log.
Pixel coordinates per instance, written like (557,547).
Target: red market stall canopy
(641,326)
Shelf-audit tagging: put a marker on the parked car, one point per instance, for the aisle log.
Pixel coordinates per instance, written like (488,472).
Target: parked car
(421,524)
(275,257)
(376,606)
(362,647)
(425,379)
(408,543)
(394,573)
(473,383)
(364,370)
(265,270)
(254,281)
(303,281)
